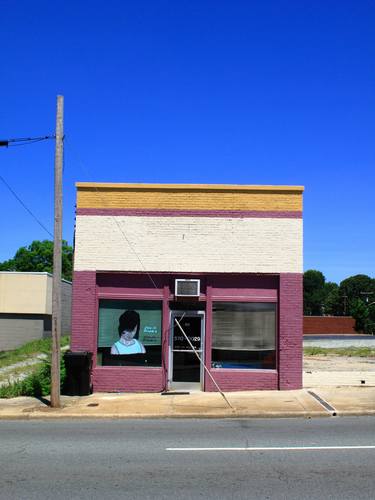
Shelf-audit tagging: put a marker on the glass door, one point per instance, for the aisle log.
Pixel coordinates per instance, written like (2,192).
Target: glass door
(184,365)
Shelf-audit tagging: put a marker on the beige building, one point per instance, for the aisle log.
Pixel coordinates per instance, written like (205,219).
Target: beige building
(26,307)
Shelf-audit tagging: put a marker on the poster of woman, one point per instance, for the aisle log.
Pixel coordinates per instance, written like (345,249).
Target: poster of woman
(128,329)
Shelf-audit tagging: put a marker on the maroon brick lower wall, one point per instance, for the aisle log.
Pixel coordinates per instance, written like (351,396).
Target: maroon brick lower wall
(328,325)
(84,314)
(288,374)
(290,331)
(242,380)
(126,379)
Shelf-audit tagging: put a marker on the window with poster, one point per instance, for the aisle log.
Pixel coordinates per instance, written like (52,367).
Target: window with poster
(129,333)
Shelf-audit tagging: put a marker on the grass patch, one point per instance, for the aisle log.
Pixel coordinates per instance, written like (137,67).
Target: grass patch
(358,352)
(38,383)
(15,372)
(24,352)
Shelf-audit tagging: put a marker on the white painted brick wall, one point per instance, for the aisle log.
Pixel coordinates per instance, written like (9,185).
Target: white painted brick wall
(188,244)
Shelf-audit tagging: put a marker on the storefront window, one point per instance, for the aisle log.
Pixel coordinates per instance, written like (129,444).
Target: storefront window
(244,335)
(129,333)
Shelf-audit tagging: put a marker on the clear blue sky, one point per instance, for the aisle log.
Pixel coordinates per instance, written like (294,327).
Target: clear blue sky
(247,92)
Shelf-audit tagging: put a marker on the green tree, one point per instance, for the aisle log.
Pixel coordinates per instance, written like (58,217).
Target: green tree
(354,296)
(332,299)
(313,292)
(38,257)
(358,292)
(7,265)
(356,286)
(361,313)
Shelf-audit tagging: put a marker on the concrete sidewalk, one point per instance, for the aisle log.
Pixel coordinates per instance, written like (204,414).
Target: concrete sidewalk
(302,403)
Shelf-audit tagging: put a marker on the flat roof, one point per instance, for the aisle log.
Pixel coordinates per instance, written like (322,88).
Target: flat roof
(190,187)
(38,273)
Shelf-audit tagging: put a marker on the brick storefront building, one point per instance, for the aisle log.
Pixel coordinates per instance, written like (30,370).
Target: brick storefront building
(223,262)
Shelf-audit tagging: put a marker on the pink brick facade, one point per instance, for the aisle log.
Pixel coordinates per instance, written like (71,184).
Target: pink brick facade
(285,290)
(244,246)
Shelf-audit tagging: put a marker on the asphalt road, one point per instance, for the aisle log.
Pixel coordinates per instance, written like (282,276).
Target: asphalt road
(164,459)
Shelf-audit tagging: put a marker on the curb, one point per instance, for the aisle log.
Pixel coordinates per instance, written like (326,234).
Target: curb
(55,415)
(137,416)
(355,413)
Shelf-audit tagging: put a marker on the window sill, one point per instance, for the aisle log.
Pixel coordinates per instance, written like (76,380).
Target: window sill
(106,367)
(245,370)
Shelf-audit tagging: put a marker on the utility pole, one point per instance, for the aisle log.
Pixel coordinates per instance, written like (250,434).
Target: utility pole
(57,257)
(366,294)
(345,297)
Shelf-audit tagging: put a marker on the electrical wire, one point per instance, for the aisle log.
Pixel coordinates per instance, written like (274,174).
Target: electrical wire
(24,205)
(41,138)
(115,219)
(25,141)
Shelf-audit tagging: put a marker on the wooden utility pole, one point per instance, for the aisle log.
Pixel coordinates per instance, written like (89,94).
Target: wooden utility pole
(57,257)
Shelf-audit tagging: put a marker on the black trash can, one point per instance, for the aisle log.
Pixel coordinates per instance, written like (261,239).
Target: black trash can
(78,373)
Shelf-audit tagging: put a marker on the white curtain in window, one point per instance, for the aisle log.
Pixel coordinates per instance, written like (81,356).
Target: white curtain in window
(244,326)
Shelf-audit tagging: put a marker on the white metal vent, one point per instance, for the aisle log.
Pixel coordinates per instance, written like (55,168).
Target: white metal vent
(187,288)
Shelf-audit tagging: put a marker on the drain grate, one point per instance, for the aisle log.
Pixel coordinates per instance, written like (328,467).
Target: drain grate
(324,403)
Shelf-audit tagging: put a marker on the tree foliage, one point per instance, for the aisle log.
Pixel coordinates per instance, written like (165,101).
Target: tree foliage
(38,257)
(361,313)
(354,296)
(357,287)
(319,295)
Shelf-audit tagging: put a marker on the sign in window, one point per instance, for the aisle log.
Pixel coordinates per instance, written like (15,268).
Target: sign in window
(129,333)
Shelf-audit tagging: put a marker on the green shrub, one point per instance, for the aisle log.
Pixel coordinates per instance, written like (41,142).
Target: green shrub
(314,351)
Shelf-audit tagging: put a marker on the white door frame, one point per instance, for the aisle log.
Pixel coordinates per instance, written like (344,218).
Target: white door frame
(187,314)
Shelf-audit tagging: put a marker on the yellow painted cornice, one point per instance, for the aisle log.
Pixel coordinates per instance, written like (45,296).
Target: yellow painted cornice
(187,187)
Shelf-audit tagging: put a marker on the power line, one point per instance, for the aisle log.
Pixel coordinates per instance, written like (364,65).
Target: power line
(87,171)
(24,141)
(24,205)
(115,220)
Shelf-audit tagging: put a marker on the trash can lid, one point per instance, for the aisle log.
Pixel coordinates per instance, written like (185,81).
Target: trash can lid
(78,353)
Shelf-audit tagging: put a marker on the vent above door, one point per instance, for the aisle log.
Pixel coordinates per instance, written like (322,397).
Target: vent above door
(187,288)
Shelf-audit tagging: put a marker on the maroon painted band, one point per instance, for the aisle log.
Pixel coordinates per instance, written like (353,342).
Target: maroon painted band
(155,212)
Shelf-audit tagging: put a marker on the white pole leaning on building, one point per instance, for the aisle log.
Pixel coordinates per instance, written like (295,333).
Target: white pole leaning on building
(57,257)
(203,364)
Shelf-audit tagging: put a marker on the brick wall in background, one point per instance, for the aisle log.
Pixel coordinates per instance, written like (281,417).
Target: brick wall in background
(328,325)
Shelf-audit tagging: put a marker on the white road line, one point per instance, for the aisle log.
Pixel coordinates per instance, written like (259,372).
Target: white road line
(280,448)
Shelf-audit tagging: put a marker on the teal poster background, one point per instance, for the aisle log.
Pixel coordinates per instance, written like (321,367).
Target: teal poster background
(111,310)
